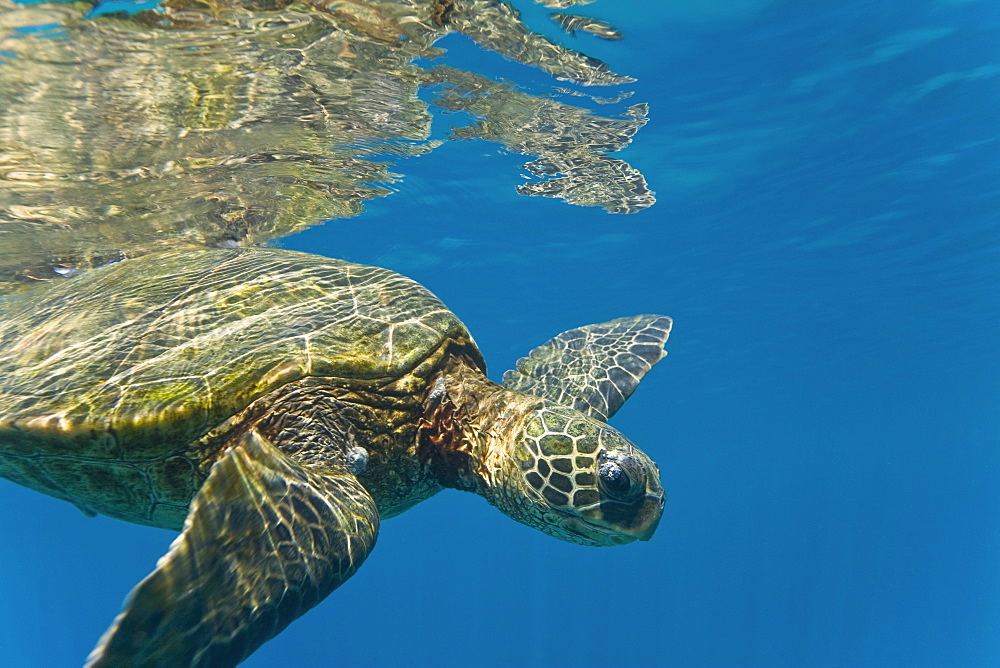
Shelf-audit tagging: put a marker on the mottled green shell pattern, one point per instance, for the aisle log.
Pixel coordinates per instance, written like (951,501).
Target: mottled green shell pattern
(160,349)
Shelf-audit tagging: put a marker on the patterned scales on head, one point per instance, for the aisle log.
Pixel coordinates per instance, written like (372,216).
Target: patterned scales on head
(275,405)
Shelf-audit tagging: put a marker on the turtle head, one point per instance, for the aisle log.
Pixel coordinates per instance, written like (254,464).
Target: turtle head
(578,479)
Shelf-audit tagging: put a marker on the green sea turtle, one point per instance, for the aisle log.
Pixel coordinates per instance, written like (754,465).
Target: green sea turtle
(275,405)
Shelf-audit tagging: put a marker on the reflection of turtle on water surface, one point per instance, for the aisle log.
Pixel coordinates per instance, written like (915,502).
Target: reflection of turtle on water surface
(275,405)
(237,121)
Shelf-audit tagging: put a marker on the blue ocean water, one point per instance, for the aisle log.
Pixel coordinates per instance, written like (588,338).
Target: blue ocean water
(826,240)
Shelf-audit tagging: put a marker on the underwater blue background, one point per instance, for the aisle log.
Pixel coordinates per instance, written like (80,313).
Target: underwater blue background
(826,423)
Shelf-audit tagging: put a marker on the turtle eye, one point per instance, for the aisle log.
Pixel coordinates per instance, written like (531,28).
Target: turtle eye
(614,479)
(620,476)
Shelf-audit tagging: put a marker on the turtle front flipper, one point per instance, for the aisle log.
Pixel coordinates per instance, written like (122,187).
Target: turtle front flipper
(265,540)
(593,369)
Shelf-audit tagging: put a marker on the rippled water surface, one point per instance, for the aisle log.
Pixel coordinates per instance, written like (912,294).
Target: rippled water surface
(810,192)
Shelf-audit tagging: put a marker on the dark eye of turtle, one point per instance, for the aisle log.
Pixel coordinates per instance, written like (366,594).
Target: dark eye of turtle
(614,479)
(620,476)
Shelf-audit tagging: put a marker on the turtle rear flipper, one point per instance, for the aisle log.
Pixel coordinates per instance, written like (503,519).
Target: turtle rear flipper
(593,369)
(265,540)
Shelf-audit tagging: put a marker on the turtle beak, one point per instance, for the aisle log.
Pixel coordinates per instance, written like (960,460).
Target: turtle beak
(647,517)
(624,521)
(638,522)
(650,514)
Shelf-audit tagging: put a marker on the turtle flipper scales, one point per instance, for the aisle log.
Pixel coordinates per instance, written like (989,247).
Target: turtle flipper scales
(265,540)
(593,369)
